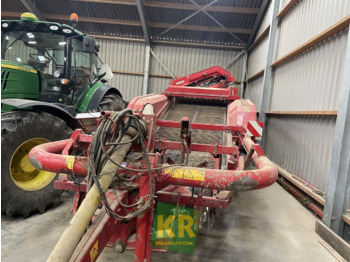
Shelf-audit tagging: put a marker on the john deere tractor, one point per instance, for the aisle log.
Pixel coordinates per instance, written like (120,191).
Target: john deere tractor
(50,72)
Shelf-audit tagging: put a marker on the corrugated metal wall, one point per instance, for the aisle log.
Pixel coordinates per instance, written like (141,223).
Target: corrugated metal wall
(257,58)
(307,19)
(302,145)
(253,91)
(266,20)
(127,57)
(308,82)
(130,57)
(257,62)
(312,80)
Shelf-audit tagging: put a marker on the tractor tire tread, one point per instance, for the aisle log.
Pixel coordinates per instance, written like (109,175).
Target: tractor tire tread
(16,128)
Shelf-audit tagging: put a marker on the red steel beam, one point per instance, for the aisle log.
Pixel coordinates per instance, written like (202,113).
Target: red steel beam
(48,157)
(231,180)
(194,200)
(202,126)
(213,149)
(229,93)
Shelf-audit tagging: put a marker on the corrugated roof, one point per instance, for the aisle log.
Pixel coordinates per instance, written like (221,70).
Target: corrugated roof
(123,19)
(12,6)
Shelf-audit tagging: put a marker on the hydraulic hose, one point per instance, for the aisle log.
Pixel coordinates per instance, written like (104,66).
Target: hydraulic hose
(77,226)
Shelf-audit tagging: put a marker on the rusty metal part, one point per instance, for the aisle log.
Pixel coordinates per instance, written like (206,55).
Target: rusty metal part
(249,157)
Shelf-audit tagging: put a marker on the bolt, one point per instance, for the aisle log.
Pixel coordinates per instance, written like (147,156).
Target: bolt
(119,246)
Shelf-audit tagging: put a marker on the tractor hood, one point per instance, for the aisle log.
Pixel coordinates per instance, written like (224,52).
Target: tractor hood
(18,80)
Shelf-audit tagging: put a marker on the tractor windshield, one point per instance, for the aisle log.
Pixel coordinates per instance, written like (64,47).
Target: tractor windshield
(42,51)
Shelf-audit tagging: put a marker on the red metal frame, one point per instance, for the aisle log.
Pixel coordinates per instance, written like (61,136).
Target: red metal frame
(197,78)
(305,199)
(230,93)
(58,157)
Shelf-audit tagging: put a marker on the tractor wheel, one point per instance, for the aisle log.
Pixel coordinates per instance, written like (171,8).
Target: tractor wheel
(25,189)
(112,102)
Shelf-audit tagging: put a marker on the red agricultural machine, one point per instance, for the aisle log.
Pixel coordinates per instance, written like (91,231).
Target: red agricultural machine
(187,147)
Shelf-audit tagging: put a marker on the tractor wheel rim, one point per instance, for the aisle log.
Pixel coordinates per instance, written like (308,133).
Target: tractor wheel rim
(23,174)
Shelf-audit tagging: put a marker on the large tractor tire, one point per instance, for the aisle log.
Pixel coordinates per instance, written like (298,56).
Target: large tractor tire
(112,102)
(25,189)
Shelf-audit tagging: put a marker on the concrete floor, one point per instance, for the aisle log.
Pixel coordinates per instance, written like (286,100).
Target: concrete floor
(264,225)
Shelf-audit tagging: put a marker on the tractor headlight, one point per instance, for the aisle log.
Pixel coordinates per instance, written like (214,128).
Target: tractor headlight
(56,89)
(54,27)
(67,31)
(57,73)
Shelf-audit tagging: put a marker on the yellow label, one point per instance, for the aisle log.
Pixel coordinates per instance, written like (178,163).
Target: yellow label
(193,174)
(178,173)
(168,171)
(94,251)
(190,174)
(70,161)
(22,68)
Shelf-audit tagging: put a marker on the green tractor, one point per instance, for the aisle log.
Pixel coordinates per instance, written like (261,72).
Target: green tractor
(50,72)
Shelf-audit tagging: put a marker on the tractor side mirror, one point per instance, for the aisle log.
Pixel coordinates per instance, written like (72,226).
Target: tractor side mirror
(88,45)
(106,72)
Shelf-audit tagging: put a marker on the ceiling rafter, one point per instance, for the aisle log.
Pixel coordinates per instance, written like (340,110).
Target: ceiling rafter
(142,15)
(188,17)
(134,23)
(217,22)
(259,18)
(223,9)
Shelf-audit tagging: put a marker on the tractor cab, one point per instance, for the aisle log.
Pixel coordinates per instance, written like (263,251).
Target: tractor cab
(49,62)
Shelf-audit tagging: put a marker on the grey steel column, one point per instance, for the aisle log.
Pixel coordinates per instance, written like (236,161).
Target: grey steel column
(244,71)
(267,82)
(338,188)
(143,19)
(146,70)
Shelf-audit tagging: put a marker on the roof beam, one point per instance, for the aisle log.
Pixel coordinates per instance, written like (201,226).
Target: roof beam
(133,23)
(32,8)
(217,22)
(223,9)
(259,39)
(172,43)
(258,20)
(287,8)
(188,17)
(142,15)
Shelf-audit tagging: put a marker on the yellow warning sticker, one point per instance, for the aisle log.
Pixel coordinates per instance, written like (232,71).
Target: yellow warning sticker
(190,174)
(193,174)
(70,161)
(94,251)
(178,173)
